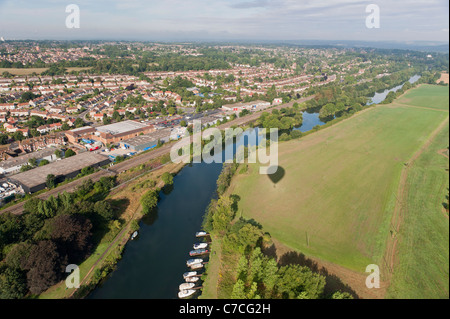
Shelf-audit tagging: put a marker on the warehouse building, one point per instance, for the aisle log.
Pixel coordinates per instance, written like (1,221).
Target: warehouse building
(117,132)
(147,141)
(75,135)
(109,134)
(34,180)
(13,165)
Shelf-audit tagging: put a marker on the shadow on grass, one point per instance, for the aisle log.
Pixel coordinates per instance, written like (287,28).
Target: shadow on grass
(333,283)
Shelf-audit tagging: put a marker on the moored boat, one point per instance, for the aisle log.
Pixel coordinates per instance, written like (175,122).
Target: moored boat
(187,286)
(196,266)
(194,261)
(134,235)
(198,252)
(189,274)
(201,234)
(186,293)
(192,279)
(200,246)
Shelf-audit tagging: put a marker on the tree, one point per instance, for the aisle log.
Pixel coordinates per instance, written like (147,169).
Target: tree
(79,122)
(13,284)
(3,139)
(58,153)
(296,279)
(342,295)
(69,153)
(25,168)
(167,178)
(73,235)
(223,213)
(43,162)
(45,266)
(50,181)
(33,161)
(239,290)
(18,136)
(104,209)
(172,110)
(149,201)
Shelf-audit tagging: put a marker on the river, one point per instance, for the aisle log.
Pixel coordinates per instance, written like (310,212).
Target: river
(379,97)
(153,263)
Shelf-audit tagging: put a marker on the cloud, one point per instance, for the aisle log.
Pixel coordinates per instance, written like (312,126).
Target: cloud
(229,19)
(250,4)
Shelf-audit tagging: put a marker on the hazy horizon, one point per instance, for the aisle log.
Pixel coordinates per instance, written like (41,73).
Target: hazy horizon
(226,21)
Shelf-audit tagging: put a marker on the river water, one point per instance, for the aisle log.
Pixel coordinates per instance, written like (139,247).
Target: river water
(379,97)
(153,263)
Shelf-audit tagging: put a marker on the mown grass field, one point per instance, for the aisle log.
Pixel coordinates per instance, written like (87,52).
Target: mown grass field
(338,193)
(427,95)
(422,270)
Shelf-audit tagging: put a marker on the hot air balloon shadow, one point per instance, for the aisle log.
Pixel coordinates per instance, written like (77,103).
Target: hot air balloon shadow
(277,176)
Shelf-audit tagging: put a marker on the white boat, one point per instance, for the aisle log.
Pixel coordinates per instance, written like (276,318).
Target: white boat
(194,261)
(196,266)
(187,286)
(134,235)
(192,279)
(201,234)
(189,274)
(200,246)
(185,293)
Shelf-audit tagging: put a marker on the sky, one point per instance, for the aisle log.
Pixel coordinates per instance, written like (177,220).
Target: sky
(226,20)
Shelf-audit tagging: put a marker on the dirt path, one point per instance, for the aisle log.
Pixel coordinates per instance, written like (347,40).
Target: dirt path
(390,257)
(421,107)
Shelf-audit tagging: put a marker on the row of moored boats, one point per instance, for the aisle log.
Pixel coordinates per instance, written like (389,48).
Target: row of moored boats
(191,278)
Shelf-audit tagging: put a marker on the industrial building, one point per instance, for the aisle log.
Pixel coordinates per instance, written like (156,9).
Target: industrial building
(109,134)
(75,135)
(251,106)
(147,141)
(34,180)
(13,165)
(117,132)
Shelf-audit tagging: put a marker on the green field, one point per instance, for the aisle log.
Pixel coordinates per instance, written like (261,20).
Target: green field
(337,196)
(431,96)
(422,270)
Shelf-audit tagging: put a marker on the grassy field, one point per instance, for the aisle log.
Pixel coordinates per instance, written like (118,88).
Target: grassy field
(431,96)
(338,193)
(422,269)
(20,72)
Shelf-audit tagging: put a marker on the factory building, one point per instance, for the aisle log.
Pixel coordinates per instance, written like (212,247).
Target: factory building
(35,179)
(147,141)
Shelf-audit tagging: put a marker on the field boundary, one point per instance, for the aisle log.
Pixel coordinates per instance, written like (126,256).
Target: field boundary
(390,256)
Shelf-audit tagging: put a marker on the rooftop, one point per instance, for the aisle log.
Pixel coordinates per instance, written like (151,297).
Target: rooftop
(146,138)
(121,127)
(38,175)
(23,159)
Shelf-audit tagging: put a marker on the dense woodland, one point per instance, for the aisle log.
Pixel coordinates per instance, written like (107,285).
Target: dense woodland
(37,246)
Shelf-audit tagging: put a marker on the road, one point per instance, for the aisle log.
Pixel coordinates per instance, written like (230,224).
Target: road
(138,160)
